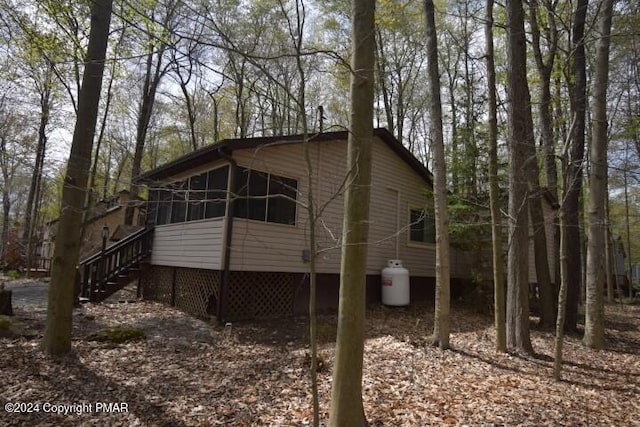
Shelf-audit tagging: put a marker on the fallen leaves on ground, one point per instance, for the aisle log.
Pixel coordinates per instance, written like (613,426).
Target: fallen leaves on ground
(191,373)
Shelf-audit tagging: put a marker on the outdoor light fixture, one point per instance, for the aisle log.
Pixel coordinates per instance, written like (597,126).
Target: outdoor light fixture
(105,236)
(105,231)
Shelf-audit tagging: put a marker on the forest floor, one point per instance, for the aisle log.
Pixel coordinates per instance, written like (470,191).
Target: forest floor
(187,372)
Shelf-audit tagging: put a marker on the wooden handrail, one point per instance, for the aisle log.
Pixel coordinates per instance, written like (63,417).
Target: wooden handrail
(99,269)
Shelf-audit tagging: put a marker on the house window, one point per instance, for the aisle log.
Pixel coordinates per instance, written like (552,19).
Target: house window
(201,196)
(265,197)
(422,226)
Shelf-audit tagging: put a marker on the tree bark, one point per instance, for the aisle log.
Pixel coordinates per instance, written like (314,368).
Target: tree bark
(518,262)
(594,309)
(57,338)
(609,256)
(6,197)
(346,393)
(33,201)
(545,67)
(494,190)
(562,294)
(441,328)
(536,214)
(155,71)
(574,181)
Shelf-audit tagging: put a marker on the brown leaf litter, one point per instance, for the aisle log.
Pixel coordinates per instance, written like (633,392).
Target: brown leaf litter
(188,372)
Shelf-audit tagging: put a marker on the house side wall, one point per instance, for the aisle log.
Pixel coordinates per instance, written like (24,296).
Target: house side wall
(261,246)
(193,244)
(396,189)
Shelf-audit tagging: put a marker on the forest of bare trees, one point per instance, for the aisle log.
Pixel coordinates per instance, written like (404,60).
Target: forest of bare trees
(505,104)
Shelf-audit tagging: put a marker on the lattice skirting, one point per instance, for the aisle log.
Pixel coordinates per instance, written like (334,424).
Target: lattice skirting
(194,291)
(157,284)
(254,294)
(250,295)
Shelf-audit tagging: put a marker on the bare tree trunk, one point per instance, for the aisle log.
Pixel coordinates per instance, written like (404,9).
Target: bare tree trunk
(441,327)
(609,256)
(518,262)
(155,71)
(564,265)
(6,197)
(57,338)
(103,125)
(151,83)
(536,213)
(574,179)
(547,306)
(545,68)
(346,392)
(36,177)
(562,294)
(494,190)
(594,309)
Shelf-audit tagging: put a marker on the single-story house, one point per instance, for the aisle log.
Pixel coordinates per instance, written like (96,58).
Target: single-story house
(231,226)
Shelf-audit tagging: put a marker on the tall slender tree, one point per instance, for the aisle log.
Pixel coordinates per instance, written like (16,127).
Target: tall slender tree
(544,63)
(519,101)
(494,190)
(346,392)
(57,338)
(442,320)
(156,66)
(578,95)
(594,308)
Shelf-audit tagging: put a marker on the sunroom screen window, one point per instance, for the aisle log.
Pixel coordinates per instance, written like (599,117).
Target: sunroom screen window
(164,207)
(197,194)
(252,193)
(217,192)
(179,203)
(265,197)
(201,196)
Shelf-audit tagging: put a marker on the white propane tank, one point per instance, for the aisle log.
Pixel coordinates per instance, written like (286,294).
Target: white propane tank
(395,284)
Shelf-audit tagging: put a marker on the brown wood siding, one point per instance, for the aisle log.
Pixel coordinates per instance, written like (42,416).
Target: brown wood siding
(261,246)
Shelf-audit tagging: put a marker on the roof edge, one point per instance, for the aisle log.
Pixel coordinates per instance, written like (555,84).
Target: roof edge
(224,147)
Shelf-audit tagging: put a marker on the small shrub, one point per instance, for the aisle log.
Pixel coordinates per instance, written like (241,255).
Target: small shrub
(117,335)
(13,274)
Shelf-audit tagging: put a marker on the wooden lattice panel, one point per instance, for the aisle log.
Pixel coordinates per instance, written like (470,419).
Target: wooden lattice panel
(239,296)
(158,285)
(194,288)
(260,294)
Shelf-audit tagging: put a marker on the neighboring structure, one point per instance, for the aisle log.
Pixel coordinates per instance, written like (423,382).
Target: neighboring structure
(244,253)
(621,280)
(108,213)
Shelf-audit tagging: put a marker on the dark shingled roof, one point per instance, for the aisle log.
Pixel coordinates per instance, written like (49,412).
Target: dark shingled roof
(223,148)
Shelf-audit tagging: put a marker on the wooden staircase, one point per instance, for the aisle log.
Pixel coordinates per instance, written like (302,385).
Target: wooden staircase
(110,270)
